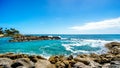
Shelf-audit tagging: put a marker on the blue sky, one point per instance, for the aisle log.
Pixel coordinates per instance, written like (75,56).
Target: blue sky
(61,16)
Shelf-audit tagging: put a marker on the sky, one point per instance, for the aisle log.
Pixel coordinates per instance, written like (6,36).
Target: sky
(61,16)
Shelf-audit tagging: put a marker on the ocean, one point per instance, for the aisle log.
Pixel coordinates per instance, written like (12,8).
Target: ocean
(68,45)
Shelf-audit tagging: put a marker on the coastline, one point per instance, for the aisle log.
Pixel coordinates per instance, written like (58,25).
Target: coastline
(111,58)
(1,35)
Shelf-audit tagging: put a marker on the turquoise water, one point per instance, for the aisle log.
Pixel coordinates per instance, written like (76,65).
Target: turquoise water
(69,44)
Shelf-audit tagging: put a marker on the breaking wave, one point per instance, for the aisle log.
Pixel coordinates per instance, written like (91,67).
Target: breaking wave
(78,46)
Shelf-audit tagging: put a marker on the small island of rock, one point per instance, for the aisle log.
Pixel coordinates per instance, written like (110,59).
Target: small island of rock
(22,38)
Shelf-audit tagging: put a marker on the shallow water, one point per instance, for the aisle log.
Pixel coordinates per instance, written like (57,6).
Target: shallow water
(69,44)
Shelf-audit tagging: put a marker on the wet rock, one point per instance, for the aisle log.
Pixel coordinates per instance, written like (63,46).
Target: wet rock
(5,62)
(44,64)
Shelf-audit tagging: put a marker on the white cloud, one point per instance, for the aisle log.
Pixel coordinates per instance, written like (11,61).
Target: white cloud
(100,25)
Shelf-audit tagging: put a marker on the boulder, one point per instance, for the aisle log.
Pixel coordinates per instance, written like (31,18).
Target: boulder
(44,64)
(60,64)
(53,59)
(104,60)
(67,64)
(115,64)
(5,63)
(34,58)
(95,64)
(112,45)
(70,57)
(106,65)
(83,60)
(22,62)
(115,51)
(80,65)
(72,62)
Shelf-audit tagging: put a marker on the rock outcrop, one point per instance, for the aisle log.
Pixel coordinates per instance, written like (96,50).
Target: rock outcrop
(22,38)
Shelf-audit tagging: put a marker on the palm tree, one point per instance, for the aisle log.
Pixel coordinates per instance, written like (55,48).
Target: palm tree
(1,31)
(11,32)
(14,31)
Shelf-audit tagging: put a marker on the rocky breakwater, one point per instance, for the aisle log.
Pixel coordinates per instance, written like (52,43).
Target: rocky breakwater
(109,60)
(31,38)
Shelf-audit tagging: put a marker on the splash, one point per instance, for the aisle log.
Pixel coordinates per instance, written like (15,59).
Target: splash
(79,46)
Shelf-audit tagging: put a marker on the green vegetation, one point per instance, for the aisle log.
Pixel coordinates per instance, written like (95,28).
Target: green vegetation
(9,32)
(1,31)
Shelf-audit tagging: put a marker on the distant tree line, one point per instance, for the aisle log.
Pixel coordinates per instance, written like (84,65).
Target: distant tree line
(8,32)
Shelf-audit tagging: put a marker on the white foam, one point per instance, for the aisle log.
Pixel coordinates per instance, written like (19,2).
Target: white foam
(63,38)
(83,42)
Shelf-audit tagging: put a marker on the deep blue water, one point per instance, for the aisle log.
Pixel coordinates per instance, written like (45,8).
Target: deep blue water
(69,44)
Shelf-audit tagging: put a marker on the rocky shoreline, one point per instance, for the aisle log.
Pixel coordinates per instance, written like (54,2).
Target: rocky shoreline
(23,38)
(109,60)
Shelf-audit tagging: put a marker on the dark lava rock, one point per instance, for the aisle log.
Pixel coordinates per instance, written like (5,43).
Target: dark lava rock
(30,38)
